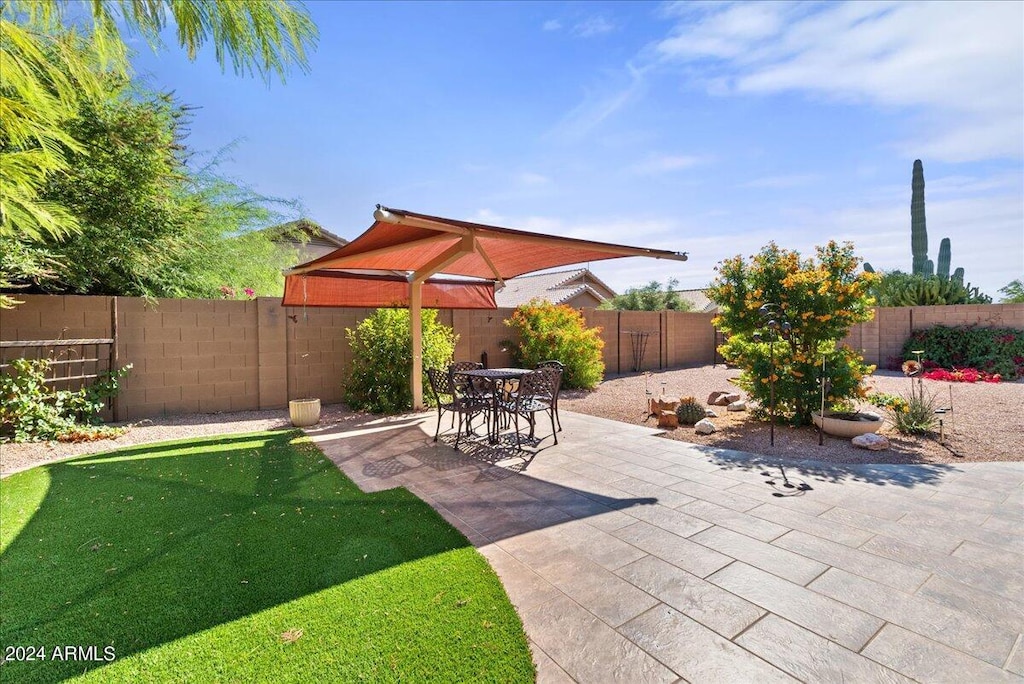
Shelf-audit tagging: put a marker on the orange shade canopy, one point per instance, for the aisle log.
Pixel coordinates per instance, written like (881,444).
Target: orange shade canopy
(401,240)
(421,245)
(342,288)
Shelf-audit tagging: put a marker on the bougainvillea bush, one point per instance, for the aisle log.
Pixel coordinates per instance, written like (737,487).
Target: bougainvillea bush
(961,375)
(989,350)
(558,332)
(821,298)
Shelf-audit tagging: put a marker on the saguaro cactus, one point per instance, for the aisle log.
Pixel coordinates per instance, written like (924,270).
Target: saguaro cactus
(942,270)
(918,229)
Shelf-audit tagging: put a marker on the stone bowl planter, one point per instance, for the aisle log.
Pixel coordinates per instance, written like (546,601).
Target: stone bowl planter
(304,412)
(848,425)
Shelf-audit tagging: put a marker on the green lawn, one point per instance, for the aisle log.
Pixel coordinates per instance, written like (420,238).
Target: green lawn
(203,560)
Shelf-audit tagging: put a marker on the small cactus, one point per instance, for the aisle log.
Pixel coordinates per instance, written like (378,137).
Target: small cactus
(689,411)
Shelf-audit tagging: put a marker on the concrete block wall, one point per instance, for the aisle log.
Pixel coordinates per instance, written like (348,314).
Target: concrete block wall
(210,355)
(480,331)
(188,356)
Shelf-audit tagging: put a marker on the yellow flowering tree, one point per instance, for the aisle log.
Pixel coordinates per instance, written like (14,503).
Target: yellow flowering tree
(819,298)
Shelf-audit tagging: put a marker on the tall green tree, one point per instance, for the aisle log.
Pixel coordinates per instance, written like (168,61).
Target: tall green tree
(651,297)
(148,224)
(49,68)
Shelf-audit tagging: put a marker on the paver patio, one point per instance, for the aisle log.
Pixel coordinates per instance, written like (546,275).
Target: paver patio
(634,558)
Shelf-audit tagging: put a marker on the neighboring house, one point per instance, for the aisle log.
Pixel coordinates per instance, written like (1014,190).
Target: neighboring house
(699,299)
(319,240)
(577,288)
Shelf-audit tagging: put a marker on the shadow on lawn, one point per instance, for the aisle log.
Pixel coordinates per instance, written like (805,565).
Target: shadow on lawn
(142,546)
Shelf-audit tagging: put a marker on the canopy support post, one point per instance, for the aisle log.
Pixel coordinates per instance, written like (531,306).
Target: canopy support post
(416,323)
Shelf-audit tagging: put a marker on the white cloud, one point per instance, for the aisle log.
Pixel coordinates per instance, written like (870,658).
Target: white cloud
(593,26)
(551,25)
(958,68)
(599,104)
(665,163)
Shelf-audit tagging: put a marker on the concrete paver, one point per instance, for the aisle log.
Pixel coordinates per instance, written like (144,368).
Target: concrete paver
(633,558)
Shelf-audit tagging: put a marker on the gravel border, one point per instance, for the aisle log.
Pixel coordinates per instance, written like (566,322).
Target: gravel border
(987,423)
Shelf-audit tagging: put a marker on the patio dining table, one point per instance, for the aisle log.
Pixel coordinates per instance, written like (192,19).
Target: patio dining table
(496,377)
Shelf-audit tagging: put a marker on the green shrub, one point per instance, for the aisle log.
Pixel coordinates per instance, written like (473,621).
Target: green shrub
(550,331)
(892,402)
(992,350)
(382,359)
(31,410)
(820,298)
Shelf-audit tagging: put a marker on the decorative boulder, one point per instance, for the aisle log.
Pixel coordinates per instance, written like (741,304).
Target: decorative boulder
(738,405)
(705,427)
(871,441)
(714,397)
(668,419)
(730,398)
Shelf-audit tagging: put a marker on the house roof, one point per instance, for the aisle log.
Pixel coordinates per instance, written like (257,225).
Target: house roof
(556,287)
(699,299)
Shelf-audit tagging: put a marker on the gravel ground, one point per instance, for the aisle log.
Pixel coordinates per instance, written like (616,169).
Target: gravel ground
(987,424)
(15,457)
(987,421)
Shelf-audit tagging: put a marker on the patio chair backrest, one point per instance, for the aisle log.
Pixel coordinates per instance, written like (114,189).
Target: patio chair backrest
(459,366)
(543,383)
(551,364)
(440,384)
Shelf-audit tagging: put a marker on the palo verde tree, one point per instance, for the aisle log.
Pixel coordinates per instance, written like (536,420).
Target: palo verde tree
(820,298)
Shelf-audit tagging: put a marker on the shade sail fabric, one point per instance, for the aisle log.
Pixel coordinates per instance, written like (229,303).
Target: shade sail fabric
(338,288)
(418,242)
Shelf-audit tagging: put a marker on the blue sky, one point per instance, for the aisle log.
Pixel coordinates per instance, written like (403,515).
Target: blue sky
(710,128)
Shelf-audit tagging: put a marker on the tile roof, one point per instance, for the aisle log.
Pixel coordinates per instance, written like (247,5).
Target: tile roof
(557,287)
(699,299)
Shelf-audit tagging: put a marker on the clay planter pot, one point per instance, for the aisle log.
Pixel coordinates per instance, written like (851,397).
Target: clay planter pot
(304,412)
(848,426)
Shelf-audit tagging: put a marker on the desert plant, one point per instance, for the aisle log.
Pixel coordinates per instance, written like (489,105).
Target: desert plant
(921,265)
(991,350)
(382,359)
(31,410)
(916,414)
(820,299)
(689,411)
(896,288)
(555,331)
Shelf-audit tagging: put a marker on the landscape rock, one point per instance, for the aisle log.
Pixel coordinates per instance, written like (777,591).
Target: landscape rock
(668,419)
(705,427)
(871,441)
(738,405)
(710,413)
(731,397)
(714,397)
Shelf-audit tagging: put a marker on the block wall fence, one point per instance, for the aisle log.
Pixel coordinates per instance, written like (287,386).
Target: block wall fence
(207,356)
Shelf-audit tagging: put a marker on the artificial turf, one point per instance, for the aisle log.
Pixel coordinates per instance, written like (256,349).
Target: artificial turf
(243,558)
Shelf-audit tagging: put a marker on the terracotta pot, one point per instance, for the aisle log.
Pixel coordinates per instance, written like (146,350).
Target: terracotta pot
(304,412)
(842,427)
